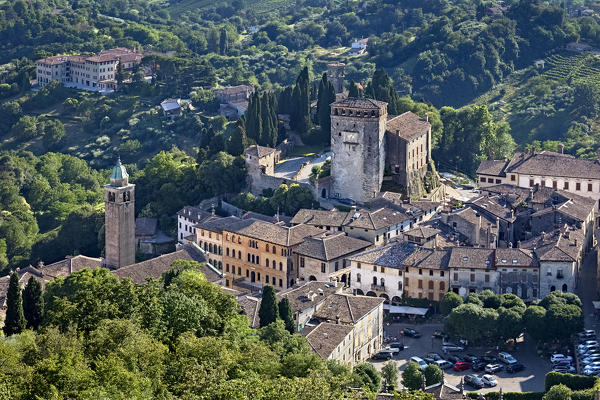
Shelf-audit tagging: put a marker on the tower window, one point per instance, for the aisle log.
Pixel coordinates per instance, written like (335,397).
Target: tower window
(111,197)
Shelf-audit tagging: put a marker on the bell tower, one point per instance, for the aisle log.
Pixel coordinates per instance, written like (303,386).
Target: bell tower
(119,219)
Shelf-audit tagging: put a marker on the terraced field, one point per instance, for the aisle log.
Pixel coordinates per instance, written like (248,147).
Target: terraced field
(573,68)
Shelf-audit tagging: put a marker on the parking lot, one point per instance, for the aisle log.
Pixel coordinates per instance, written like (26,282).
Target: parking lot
(529,380)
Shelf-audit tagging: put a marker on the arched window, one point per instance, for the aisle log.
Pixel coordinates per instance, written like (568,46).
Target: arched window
(382,282)
(564,287)
(375,281)
(280,266)
(267,263)
(267,247)
(357,277)
(274,265)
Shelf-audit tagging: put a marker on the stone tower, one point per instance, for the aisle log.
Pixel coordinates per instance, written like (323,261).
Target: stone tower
(357,148)
(119,219)
(335,73)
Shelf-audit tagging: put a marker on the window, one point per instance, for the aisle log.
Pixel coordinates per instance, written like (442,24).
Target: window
(382,269)
(472,277)
(487,278)
(273,280)
(589,187)
(430,285)
(267,279)
(280,283)
(267,263)
(559,274)
(578,186)
(357,277)
(322,268)
(406,281)
(239,270)
(482,179)
(456,276)
(382,281)
(430,272)
(554,185)
(226,267)
(358,265)
(267,247)
(301,262)
(227,251)
(420,285)
(280,266)
(337,265)
(374,268)
(374,281)
(441,273)
(442,286)
(274,264)
(498,181)
(247,273)
(531,184)
(566,186)
(513,178)
(420,271)
(399,285)
(399,273)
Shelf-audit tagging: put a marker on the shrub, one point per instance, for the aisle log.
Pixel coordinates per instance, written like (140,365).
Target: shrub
(573,382)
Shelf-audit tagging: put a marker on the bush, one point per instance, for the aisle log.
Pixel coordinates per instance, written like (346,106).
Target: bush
(509,395)
(573,382)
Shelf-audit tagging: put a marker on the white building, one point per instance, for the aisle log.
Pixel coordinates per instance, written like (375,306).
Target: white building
(187,219)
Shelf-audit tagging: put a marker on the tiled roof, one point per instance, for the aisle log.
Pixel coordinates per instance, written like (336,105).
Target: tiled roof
(145,226)
(470,215)
(360,102)
(234,89)
(309,294)
(515,257)
(325,337)
(471,257)
(330,247)
(333,218)
(375,220)
(391,255)
(423,231)
(218,224)
(273,233)
(563,244)
(103,58)
(155,267)
(250,306)
(492,167)
(54,60)
(346,308)
(195,214)
(273,219)
(408,125)
(428,258)
(569,204)
(259,151)
(492,205)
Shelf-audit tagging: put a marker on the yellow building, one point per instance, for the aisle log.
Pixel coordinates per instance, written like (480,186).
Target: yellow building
(426,274)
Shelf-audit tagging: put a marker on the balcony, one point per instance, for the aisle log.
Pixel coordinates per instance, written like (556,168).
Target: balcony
(378,288)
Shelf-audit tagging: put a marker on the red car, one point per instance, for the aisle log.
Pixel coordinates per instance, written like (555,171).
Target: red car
(462,366)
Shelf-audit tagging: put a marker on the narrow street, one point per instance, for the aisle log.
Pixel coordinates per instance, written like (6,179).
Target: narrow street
(587,290)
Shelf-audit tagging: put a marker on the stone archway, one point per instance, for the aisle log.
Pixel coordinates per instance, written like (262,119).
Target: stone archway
(386,297)
(396,300)
(371,294)
(564,287)
(312,278)
(360,292)
(552,288)
(324,193)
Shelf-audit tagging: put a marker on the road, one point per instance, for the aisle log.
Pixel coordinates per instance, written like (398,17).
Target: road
(531,379)
(587,290)
(289,167)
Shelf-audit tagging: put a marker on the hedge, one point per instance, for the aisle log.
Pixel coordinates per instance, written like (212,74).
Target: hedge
(573,382)
(511,396)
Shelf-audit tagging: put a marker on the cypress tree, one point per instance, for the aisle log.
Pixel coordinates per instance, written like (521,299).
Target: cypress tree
(268,311)
(382,88)
(285,312)
(238,141)
(15,319)
(326,97)
(266,135)
(223,45)
(274,118)
(353,90)
(33,303)
(253,123)
(301,103)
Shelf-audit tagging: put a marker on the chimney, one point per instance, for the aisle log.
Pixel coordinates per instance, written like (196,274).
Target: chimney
(337,319)
(561,148)
(518,244)
(426,117)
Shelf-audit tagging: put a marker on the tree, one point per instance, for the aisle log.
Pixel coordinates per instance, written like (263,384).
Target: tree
(223,173)
(534,321)
(300,117)
(54,132)
(25,128)
(353,90)
(119,75)
(382,88)
(325,98)
(268,312)
(33,303)
(558,392)
(238,141)
(365,375)
(433,374)
(412,377)
(449,302)
(389,372)
(510,322)
(285,312)
(14,322)
(223,41)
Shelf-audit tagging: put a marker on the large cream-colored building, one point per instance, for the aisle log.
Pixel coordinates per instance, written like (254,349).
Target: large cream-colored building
(426,274)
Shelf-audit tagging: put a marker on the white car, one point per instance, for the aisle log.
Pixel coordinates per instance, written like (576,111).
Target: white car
(590,370)
(392,350)
(443,364)
(587,343)
(489,380)
(506,358)
(560,357)
(591,359)
(452,347)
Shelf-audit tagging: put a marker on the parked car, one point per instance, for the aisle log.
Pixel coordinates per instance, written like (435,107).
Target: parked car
(474,381)
(587,343)
(443,364)
(396,345)
(489,359)
(435,356)
(586,334)
(489,380)
(560,357)
(587,360)
(462,366)
(439,334)
(512,368)
(506,358)
(393,350)
(493,368)
(383,355)
(591,370)
(478,366)
(452,347)
(349,202)
(590,350)
(429,360)
(411,333)
(422,364)
(564,369)
(472,358)
(454,358)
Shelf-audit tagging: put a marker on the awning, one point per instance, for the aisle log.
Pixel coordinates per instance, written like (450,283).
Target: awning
(405,310)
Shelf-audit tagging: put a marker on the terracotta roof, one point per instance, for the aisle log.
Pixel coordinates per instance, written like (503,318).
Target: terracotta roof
(102,58)
(333,218)
(330,246)
(391,255)
(471,257)
(326,337)
(274,233)
(375,220)
(309,294)
(155,267)
(259,151)
(515,257)
(428,258)
(273,219)
(250,306)
(563,244)
(408,125)
(444,392)
(361,102)
(346,308)
(492,167)
(54,60)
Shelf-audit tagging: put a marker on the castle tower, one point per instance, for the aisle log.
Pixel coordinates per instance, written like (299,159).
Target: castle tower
(357,148)
(335,73)
(119,219)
